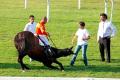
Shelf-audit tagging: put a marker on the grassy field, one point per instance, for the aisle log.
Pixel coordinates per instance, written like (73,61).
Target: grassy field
(64,18)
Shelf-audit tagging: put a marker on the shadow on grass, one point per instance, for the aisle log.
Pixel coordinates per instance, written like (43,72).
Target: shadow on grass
(96,68)
(17,66)
(76,68)
(92,68)
(112,60)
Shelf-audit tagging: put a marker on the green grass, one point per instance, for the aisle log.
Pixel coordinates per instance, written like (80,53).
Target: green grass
(62,25)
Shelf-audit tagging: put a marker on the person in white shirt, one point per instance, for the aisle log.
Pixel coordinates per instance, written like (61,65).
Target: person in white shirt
(106,30)
(31,26)
(82,37)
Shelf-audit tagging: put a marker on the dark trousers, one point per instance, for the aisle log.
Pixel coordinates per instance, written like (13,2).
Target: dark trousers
(104,45)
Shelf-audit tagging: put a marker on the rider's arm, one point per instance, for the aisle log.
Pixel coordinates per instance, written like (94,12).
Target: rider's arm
(43,30)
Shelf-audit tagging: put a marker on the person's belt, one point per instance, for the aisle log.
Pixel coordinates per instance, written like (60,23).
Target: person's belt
(105,37)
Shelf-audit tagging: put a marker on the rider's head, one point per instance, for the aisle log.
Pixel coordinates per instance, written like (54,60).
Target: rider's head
(45,19)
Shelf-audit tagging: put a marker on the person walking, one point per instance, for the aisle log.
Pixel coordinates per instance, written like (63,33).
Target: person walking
(30,26)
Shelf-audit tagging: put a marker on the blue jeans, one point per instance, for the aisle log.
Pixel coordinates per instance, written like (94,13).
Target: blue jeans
(77,49)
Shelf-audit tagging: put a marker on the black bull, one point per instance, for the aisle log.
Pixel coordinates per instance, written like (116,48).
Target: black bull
(28,44)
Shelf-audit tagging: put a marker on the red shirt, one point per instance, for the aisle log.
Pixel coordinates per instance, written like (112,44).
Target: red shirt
(41,29)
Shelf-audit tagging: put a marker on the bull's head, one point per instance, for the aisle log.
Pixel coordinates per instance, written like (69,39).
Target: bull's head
(68,51)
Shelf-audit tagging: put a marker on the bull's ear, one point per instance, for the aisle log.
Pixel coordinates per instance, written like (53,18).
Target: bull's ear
(71,47)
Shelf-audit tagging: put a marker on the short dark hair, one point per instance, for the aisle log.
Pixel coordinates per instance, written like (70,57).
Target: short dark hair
(44,17)
(103,14)
(31,16)
(82,23)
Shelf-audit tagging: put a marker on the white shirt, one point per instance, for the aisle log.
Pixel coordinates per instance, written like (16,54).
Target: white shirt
(81,33)
(30,27)
(106,29)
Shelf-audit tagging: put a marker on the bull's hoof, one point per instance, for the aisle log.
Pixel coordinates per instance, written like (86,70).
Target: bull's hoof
(62,70)
(23,70)
(26,68)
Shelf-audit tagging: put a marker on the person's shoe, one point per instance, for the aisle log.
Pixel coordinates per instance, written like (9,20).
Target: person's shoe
(85,62)
(108,61)
(71,64)
(103,60)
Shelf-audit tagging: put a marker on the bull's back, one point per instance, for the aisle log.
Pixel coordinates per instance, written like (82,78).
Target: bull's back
(24,40)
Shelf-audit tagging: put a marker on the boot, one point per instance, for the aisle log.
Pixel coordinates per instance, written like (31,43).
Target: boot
(48,51)
(85,62)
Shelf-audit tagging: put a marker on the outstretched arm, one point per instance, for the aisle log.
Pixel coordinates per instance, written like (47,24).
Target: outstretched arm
(74,39)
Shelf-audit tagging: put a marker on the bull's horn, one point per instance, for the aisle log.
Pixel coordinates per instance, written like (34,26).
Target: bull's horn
(71,47)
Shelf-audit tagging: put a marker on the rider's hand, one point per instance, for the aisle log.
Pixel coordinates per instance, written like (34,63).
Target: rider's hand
(48,34)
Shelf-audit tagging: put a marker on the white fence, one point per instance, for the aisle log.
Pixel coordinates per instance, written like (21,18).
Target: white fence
(53,78)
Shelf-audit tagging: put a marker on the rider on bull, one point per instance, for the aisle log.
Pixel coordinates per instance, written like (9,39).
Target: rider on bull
(43,36)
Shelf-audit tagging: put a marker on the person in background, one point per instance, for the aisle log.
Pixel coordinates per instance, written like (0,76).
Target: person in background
(106,30)
(82,37)
(30,26)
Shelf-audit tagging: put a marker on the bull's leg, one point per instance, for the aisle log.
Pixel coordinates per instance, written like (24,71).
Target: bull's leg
(50,66)
(61,66)
(20,60)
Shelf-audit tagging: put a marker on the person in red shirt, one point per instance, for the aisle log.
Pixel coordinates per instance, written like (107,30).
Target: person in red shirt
(43,36)
(41,31)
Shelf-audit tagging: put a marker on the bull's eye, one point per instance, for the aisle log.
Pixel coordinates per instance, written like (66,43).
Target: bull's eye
(68,50)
